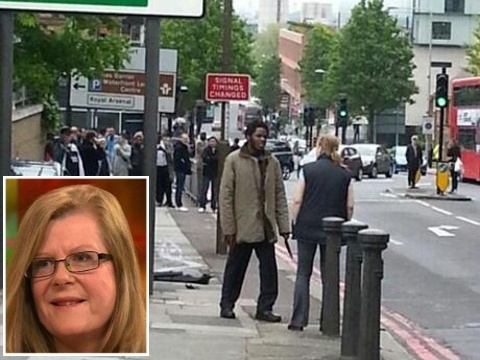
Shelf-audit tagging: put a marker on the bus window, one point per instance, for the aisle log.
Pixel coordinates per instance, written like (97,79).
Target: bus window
(466,138)
(466,96)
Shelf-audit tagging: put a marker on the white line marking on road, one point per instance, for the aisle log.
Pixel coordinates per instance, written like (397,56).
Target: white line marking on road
(424,203)
(395,242)
(393,196)
(441,231)
(473,222)
(445,212)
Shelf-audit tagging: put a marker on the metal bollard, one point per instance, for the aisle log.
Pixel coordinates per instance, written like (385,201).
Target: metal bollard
(373,243)
(330,317)
(352,298)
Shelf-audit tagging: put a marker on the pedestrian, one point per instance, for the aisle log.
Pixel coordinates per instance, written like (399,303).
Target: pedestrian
(182,167)
(236,145)
(165,171)
(252,205)
(324,190)
(121,157)
(200,145)
(49,146)
(414,157)
(210,173)
(89,153)
(103,163)
(67,154)
(136,158)
(74,283)
(454,158)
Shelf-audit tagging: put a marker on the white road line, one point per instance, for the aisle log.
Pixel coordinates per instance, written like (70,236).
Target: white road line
(393,196)
(473,222)
(445,212)
(395,242)
(424,203)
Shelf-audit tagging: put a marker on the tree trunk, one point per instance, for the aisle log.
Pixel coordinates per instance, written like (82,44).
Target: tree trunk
(371,125)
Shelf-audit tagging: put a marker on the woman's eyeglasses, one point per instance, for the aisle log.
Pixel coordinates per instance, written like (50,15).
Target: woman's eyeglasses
(75,263)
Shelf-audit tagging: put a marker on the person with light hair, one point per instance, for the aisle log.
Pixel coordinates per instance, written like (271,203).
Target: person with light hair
(73,283)
(324,190)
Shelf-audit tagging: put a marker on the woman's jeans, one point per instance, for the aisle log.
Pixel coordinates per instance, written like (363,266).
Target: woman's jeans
(301,297)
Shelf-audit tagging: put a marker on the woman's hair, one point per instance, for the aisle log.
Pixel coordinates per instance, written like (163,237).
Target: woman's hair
(328,145)
(126,332)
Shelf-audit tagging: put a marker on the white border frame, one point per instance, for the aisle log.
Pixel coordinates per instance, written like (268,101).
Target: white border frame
(229,75)
(147,297)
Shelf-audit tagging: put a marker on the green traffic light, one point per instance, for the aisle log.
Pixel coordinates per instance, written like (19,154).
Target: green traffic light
(343,113)
(441,102)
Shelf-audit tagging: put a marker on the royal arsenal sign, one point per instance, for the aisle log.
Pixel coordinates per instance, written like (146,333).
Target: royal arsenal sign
(227,87)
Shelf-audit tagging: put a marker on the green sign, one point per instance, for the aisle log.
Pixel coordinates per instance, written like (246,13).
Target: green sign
(171,8)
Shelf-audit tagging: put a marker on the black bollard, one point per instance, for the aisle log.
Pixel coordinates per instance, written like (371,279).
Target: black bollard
(351,300)
(373,243)
(330,317)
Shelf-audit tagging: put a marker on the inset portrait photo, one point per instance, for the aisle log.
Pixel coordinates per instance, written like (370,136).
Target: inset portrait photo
(75,265)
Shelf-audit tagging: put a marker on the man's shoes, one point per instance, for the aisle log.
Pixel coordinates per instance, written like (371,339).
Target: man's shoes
(201,210)
(227,314)
(268,316)
(294,327)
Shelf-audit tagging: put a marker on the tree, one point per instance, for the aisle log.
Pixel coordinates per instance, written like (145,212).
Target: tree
(266,43)
(199,45)
(473,54)
(316,60)
(373,63)
(44,57)
(268,88)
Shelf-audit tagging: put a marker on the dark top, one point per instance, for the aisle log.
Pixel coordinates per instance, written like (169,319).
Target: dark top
(136,159)
(104,169)
(181,159)
(90,158)
(453,153)
(64,152)
(326,193)
(412,160)
(210,162)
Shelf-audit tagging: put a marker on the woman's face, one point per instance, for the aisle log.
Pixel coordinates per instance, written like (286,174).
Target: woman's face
(74,307)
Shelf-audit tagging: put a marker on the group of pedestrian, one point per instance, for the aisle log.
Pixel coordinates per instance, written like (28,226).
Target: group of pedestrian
(254,212)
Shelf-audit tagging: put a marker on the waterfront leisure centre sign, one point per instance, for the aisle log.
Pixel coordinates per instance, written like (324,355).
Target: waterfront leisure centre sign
(182,8)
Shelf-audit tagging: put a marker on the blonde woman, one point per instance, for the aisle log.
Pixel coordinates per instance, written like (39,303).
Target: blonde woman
(324,190)
(73,284)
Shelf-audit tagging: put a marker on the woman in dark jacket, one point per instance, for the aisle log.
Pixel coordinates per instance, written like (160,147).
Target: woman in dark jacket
(454,155)
(89,154)
(324,190)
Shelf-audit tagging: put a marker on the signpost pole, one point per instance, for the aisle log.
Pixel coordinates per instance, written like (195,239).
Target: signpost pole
(152,67)
(6,89)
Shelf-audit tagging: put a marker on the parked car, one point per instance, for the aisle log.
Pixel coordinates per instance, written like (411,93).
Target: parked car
(35,168)
(282,151)
(398,154)
(375,160)
(350,158)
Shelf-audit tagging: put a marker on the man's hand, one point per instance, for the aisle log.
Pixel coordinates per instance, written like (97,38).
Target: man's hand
(229,239)
(285,236)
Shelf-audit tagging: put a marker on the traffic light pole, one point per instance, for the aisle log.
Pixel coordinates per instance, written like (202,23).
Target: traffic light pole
(442,124)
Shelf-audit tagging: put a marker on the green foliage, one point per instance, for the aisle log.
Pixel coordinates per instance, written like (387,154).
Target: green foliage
(266,43)
(44,57)
(268,88)
(51,115)
(473,54)
(199,45)
(317,57)
(373,63)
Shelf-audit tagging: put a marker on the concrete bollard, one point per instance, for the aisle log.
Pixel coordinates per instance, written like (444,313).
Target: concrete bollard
(373,243)
(330,317)
(352,297)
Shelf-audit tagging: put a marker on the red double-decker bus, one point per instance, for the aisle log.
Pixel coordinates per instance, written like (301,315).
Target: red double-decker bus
(465,123)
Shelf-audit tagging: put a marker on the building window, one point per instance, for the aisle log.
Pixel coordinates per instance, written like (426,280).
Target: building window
(455,6)
(441,30)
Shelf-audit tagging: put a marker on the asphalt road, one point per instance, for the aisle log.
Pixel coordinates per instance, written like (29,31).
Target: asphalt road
(432,264)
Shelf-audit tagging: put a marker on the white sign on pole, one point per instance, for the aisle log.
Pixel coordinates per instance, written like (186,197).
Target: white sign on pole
(182,8)
(125,89)
(427,126)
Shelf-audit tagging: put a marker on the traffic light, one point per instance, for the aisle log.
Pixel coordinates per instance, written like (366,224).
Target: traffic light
(342,112)
(441,93)
(309,115)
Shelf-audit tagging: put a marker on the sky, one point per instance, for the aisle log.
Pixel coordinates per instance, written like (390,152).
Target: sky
(251,6)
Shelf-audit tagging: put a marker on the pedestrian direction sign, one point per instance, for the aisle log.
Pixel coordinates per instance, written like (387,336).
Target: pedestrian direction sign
(183,8)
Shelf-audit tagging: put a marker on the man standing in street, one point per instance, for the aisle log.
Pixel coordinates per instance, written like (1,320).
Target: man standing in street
(210,171)
(67,155)
(182,167)
(164,170)
(414,157)
(252,205)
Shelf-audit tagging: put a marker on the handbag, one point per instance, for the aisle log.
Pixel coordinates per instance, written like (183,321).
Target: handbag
(458,167)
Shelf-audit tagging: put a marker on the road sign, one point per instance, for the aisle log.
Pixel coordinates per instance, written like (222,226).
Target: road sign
(183,8)
(125,89)
(443,230)
(427,126)
(227,87)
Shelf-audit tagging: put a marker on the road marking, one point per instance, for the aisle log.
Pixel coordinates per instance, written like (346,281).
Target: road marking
(443,230)
(393,196)
(445,212)
(473,222)
(424,203)
(395,242)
